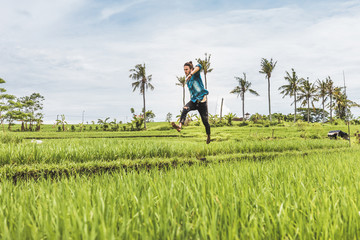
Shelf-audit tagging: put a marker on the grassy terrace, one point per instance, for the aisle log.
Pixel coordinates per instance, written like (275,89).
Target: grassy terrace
(93,151)
(250,182)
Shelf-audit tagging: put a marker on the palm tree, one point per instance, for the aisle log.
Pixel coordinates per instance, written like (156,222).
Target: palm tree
(241,89)
(330,92)
(307,95)
(342,104)
(182,83)
(266,68)
(62,122)
(292,88)
(322,88)
(205,66)
(142,82)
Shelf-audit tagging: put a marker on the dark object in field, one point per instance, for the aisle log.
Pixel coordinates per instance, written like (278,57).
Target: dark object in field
(337,133)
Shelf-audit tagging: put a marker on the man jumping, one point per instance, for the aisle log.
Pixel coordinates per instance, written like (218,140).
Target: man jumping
(198,98)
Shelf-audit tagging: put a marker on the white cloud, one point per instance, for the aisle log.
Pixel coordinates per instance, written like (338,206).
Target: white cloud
(113,10)
(80,62)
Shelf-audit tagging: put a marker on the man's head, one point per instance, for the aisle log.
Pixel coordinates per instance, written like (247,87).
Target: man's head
(188,67)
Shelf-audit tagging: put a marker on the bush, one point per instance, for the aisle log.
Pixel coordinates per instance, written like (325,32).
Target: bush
(138,123)
(242,124)
(338,122)
(314,136)
(266,123)
(256,125)
(115,127)
(274,123)
(301,125)
(305,135)
(355,122)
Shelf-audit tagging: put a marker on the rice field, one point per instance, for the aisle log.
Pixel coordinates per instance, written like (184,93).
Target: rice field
(248,183)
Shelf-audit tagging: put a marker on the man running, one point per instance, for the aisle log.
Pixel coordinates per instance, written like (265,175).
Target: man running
(198,98)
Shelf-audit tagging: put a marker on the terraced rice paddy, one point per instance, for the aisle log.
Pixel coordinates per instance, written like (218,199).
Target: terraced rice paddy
(249,183)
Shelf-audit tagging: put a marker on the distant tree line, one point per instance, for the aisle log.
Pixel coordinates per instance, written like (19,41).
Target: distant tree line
(26,110)
(305,93)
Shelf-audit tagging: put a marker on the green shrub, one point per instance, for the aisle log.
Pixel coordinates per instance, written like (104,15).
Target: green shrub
(338,122)
(314,136)
(274,123)
(256,125)
(242,124)
(138,123)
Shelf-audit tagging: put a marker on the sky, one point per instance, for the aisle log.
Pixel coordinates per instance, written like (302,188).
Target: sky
(78,53)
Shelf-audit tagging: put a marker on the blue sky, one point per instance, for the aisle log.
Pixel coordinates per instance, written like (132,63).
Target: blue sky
(78,53)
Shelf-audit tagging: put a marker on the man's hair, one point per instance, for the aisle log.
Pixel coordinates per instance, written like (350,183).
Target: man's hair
(189,64)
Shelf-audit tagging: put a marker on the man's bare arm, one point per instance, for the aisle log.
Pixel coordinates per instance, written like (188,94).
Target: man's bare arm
(196,69)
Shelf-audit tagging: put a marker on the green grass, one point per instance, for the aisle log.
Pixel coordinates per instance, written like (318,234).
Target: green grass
(301,197)
(85,150)
(248,183)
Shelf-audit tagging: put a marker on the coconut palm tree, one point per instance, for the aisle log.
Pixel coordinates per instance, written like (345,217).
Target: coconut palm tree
(308,95)
(241,89)
(342,104)
(330,92)
(322,89)
(205,66)
(141,82)
(292,88)
(266,68)
(182,83)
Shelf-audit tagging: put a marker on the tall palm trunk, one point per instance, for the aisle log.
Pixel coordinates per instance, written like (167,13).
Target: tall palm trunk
(243,106)
(323,108)
(295,107)
(331,108)
(269,98)
(205,80)
(308,115)
(144,106)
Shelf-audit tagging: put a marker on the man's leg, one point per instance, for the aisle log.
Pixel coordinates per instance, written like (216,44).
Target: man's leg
(203,110)
(187,108)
